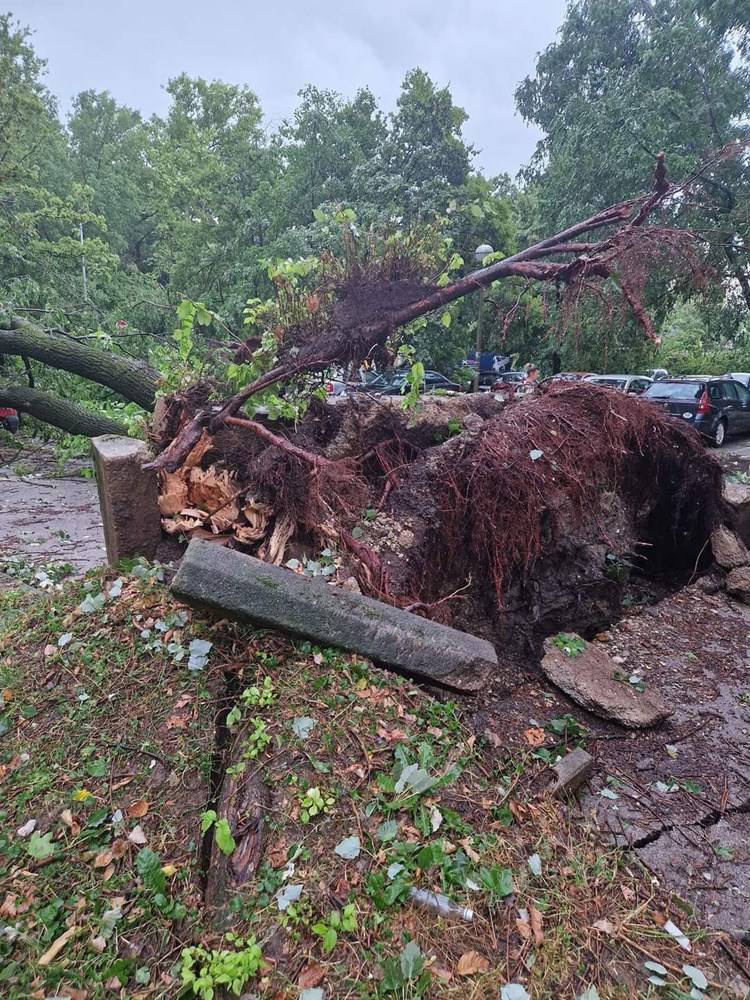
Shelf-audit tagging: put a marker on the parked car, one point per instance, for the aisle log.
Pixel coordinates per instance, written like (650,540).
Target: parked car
(9,419)
(657,373)
(743,377)
(432,382)
(508,378)
(566,377)
(714,406)
(634,385)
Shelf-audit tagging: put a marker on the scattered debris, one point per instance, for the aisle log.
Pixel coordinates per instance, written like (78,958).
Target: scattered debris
(728,550)
(572,770)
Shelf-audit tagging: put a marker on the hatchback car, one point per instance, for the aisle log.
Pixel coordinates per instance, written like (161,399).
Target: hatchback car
(634,385)
(714,406)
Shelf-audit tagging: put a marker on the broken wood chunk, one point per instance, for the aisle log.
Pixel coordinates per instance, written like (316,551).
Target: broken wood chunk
(572,771)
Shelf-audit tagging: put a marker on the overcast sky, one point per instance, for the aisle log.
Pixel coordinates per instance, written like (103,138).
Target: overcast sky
(481,48)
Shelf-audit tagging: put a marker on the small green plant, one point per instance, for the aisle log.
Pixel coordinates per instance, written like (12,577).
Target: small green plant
(567,728)
(202,971)
(405,976)
(222,832)
(338,921)
(313,803)
(571,645)
(497,881)
(149,868)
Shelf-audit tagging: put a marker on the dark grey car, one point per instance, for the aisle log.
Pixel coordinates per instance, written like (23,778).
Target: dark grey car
(716,407)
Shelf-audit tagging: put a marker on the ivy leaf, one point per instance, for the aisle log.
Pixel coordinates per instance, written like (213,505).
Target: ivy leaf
(303,726)
(148,866)
(208,818)
(223,836)
(696,977)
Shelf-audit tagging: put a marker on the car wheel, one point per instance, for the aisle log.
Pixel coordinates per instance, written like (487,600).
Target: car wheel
(719,435)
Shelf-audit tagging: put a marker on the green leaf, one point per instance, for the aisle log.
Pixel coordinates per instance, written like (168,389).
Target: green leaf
(411,961)
(148,866)
(223,836)
(208,818)
(388,830)
(40,846)
(446,319)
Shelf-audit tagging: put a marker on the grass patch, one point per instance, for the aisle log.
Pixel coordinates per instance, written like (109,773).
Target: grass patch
(121,712)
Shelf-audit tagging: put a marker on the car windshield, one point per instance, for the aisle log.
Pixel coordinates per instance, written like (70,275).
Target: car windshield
(674,390)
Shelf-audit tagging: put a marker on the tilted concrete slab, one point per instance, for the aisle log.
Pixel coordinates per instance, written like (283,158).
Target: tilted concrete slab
(211,576)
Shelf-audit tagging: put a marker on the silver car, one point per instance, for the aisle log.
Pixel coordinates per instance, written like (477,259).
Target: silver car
(633,385)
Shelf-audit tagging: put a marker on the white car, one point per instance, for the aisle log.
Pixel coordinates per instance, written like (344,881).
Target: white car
(632,385)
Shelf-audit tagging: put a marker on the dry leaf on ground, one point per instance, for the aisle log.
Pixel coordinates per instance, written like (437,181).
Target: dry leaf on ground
(472,962)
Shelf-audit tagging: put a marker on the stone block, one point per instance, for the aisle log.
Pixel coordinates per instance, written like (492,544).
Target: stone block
(128,497)
(241,587)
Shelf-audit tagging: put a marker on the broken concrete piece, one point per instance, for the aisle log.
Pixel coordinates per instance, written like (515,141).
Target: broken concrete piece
(738,583)
(572,770)
(252,590)
(128,497)
(590,679)
(729,552)
(737,497)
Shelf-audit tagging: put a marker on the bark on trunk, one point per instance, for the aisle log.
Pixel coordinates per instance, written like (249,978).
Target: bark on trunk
(133,381)
(59,412)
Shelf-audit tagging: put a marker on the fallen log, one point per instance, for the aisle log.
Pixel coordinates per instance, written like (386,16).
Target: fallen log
(58,412)
(211,576)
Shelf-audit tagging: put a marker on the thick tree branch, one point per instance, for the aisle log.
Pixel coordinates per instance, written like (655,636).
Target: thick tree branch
(133,381)
(59,412)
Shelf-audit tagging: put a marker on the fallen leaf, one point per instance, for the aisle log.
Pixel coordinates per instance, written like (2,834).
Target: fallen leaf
(123,781)
(57,946)
(676,933)
(470,852)
(472,962)
(348,848)
(278,854)
(524,928)
(7,695)
(103,859)
(27,829)
(108,873)
(8,908)
(137,836)
(137,809)
(535,919)
(311,975)
(605,926)
(534,737)
(98,943)
(513,991)
(119,848)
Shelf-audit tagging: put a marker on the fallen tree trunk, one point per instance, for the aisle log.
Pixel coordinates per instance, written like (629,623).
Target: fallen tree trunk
(58,412)
(132,380)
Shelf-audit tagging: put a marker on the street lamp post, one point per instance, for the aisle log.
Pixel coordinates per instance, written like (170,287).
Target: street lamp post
(480,253)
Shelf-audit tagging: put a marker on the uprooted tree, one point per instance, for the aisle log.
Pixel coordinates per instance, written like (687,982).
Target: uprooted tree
(483,513)
(359,306)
